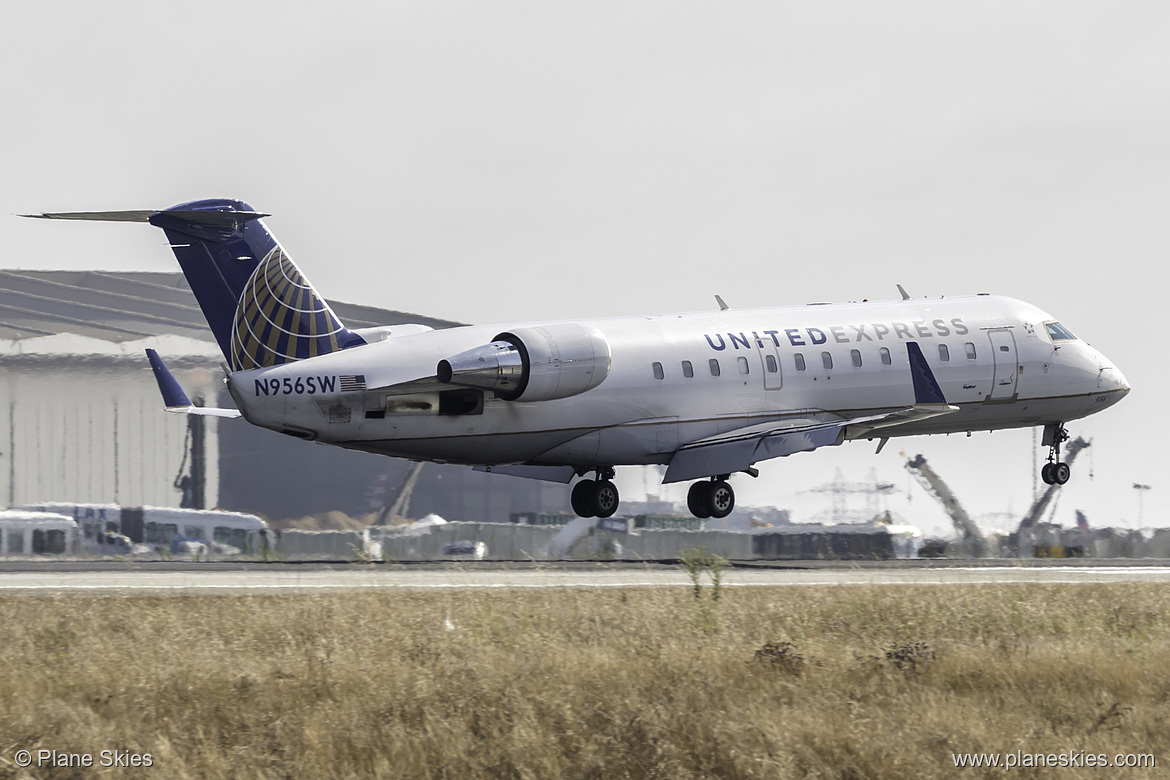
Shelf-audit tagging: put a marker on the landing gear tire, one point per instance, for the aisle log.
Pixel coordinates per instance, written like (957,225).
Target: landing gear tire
(605,498)
(711,499)
(1054,472)
(721,498)
(595,498)
(583,498)
(698,500)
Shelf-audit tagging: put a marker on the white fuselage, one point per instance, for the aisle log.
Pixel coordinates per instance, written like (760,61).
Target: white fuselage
(1002,369)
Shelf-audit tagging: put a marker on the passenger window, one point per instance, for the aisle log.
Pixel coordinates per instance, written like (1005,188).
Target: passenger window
(714,364)
(688,370)
(743,365)
(658,373)
(827,359)
(944,352)
(970,350)
(855,356)
(799,358)
(885,353)
(770,364)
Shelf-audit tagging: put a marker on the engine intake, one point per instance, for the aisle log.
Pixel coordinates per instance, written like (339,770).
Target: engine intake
(533,364)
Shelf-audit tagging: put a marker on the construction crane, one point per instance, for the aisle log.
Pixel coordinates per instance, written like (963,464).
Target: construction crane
(401,505)
(974,545)
(1041,503)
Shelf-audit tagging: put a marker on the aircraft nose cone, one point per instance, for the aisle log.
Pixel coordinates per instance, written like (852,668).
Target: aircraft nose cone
(1122,382)
(1110,378)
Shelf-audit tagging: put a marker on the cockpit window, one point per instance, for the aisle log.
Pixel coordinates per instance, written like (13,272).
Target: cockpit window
(1058,332)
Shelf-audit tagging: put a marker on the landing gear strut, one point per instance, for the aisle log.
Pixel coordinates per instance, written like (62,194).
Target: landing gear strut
(596,497)
(1054,472)
(711,499)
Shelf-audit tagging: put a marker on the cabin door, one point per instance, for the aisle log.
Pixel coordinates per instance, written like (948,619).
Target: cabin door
(1003,350)
(770,364)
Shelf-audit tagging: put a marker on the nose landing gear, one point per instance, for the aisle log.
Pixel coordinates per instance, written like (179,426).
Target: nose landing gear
(711,499)
(1054,472)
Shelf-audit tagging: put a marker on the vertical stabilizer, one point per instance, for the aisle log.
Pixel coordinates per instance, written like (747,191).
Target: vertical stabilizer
(261,308)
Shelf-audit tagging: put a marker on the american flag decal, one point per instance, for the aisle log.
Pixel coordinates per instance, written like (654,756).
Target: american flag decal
(352,383)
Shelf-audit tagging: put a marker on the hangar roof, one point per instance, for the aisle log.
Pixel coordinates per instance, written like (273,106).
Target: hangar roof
(121,306)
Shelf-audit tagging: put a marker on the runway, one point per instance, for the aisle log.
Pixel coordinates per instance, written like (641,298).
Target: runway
(180,578)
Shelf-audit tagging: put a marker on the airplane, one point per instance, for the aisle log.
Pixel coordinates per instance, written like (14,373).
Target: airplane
(706,394)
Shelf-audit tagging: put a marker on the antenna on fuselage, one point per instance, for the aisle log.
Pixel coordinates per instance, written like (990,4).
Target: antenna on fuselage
(905,295)
(722,306)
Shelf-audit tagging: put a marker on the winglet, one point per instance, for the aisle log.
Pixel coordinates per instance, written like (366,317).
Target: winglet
(174,399)
(172,391)
(926,389)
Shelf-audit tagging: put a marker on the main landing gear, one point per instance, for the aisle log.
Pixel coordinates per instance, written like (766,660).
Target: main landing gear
(599,497)
(711,499)
(596,497)
(1054,472)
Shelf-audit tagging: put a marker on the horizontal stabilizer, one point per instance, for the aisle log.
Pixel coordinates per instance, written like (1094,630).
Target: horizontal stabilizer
(98,216)
(216,218)
(207,411)
(174,398)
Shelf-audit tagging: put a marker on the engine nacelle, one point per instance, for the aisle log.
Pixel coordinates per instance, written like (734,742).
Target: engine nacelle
(533,364)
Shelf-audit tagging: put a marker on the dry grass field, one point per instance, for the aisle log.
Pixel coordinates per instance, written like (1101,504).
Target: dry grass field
(847,682)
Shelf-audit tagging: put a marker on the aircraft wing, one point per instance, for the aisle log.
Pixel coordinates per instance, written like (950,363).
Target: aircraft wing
(737,450)
(727,453)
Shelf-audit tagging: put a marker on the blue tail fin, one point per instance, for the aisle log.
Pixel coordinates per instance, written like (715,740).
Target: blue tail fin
(261,308)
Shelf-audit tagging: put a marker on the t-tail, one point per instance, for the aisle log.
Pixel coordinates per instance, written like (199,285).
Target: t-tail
(261,308)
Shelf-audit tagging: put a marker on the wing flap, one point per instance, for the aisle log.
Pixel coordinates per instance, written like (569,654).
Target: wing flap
(733,451)
(737,450)
(562,474)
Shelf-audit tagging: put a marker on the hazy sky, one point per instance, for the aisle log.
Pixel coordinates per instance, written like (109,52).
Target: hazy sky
(499,161)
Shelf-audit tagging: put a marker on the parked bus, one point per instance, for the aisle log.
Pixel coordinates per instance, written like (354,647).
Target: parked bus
(37,533)
(154,528)
(224,533)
